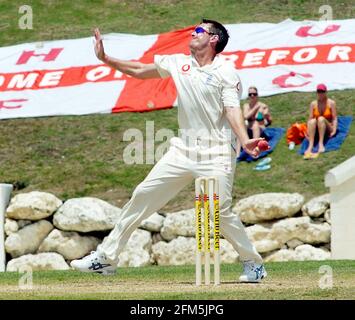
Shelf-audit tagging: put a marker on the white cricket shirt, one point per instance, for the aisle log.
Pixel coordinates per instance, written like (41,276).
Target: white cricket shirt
(203,92)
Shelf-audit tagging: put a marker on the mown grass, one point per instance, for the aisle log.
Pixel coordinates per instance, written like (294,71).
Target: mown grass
(286,280)
(82,156)
(54,19)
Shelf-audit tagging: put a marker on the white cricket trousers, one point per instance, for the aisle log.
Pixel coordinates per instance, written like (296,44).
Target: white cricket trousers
(168,177)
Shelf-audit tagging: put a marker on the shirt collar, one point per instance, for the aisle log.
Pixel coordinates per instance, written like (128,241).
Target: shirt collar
(214,65)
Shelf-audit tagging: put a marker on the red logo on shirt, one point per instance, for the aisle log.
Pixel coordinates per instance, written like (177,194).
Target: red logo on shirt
(186,67)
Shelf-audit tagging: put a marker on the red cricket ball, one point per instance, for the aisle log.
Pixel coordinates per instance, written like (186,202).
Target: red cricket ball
(263,145)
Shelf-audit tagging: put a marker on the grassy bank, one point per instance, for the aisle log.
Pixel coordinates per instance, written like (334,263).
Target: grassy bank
(82,156)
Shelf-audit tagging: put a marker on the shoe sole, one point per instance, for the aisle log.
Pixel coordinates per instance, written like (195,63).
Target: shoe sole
(255,281)
(107,272)
(104,272)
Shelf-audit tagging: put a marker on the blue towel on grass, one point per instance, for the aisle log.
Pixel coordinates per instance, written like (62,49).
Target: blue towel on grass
(272,136)
(333,143)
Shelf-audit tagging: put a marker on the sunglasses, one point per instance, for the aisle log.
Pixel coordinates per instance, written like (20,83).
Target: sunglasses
(253,94)
(320,91)
(202,30)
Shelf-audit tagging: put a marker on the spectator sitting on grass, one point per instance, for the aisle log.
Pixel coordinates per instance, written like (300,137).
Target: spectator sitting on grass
(256,114)
(322,120)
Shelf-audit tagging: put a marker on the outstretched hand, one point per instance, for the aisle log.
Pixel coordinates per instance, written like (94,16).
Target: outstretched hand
(99,47)
(251,147)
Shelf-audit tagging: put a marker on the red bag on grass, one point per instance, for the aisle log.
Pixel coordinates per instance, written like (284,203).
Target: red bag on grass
(296,133)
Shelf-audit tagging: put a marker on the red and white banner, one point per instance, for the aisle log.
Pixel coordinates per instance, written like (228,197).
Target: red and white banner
(65,78)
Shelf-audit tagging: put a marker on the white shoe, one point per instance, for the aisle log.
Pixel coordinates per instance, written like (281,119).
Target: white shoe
(252,272)
(94,263)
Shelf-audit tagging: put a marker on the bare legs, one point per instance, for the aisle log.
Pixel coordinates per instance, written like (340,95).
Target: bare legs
(311,131)
(323,127)
(256,131)
(255,127)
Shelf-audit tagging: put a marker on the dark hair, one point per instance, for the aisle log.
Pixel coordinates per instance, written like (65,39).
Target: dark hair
(219,30)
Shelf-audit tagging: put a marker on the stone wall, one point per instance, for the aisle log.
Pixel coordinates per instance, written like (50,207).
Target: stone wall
(44,233)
